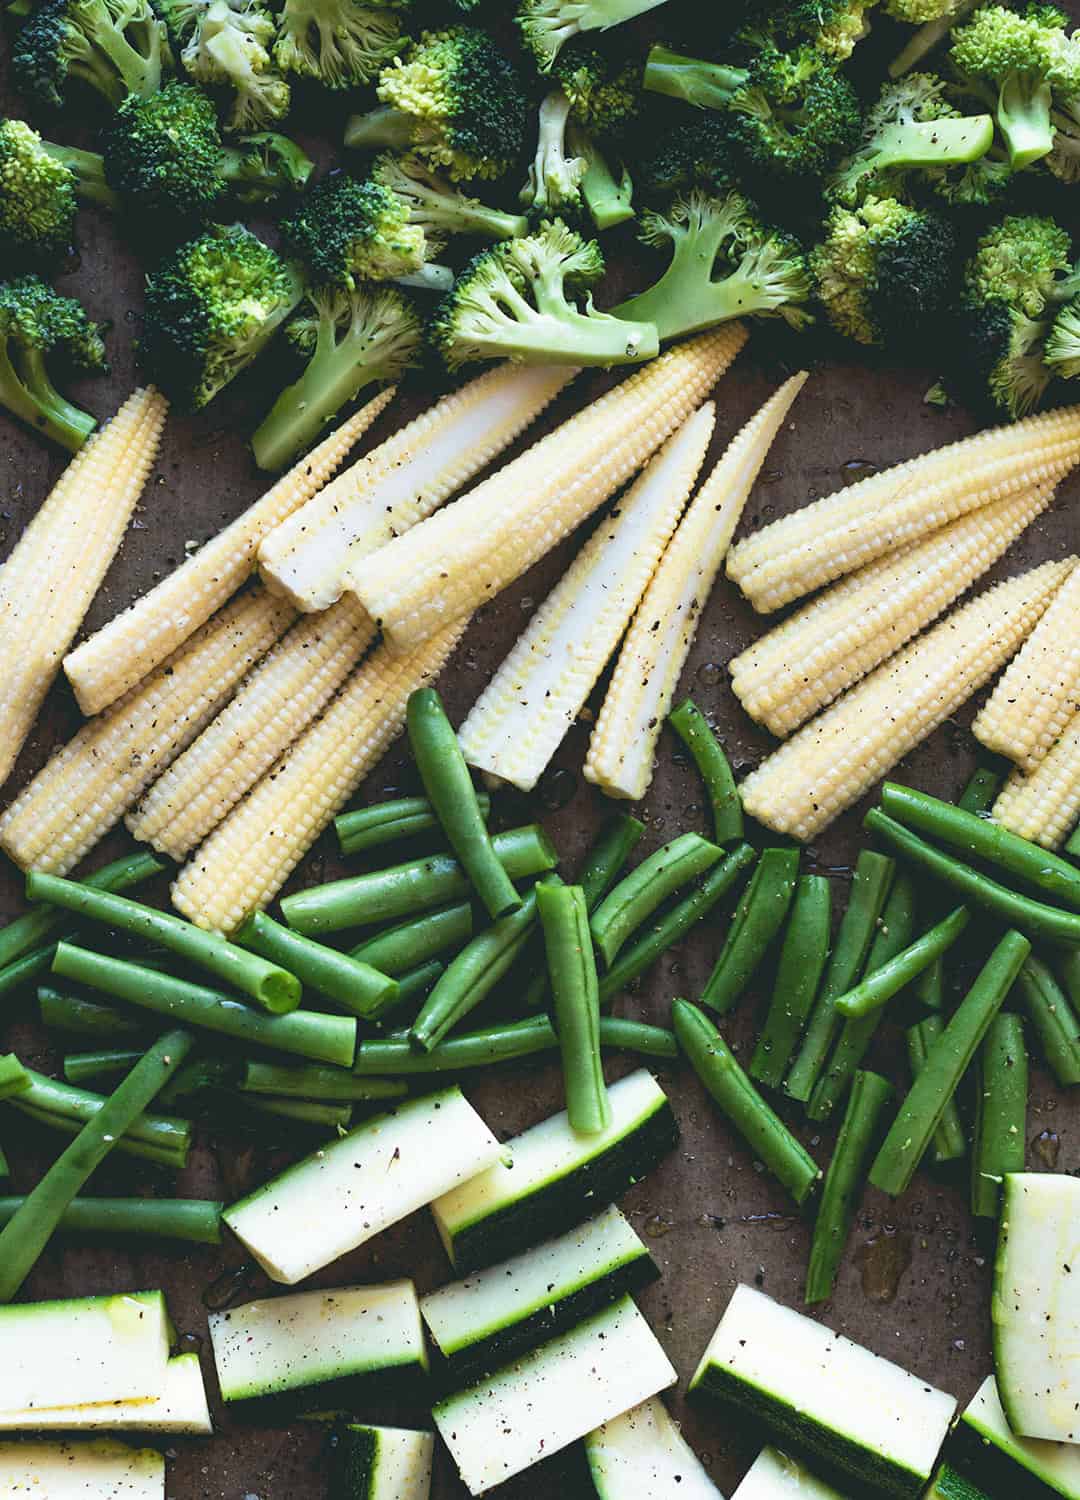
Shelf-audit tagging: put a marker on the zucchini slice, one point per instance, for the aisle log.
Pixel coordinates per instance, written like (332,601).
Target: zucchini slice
(380,1463)
(642,1455)
(181,1407)
(97,1470)
(775,1476)
(950,1484)
(984,1447)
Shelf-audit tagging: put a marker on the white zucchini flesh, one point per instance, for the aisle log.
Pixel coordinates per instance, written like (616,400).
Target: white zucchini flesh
(312,1338)
(1036,1306)
(642,1455)
(181,1407)
(857,1413)
(99,1470)
(83,1350)
(775,1476)
(350,1190)
(382,1463)
(1010,1457)
(550,1398)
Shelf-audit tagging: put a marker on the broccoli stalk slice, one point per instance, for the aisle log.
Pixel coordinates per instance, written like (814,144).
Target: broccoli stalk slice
(440,207)
(929,36)
(1023,113)
(554,182)
(925,143)
(139,70)
(88,170)
(427,278)
(27,392)
(608,198)
(383,126)
(708,85)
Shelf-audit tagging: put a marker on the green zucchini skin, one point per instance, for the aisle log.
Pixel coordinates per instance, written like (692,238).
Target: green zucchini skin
(948,1484)
(988,1468)
(406,1382)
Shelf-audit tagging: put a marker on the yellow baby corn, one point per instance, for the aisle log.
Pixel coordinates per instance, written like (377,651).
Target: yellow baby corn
(816,654)
(1045,806)
(403,480)
(517,723)
(829,763)
(1040,690)
(465,553)
(91,781)
(122,652)
(249,856)
(844,531)
(646,674)
(57,565)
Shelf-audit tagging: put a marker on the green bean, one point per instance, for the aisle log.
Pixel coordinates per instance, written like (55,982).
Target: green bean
(450,789)
(14,1078)
(668,927)
(31,929)
(506,1043)
(798,974)
(417,939)
(353,985)
(5,1166)
(576,1004)
(304,1111)
(690,724)
(196,1220)
(24,970)
(949,1143)
(752,1116)
(999,1139)
(980,794)
(212,1076)
(29,1230)
(89,1067)
(308,1033)
(1054,1019)
(845,1180)
(906,1143)
(1037,921)
(929,987)
(389,822)
(607,856)
(631,903)
(65,1125)
(418,982)
(869,890)
(163,1131)
(1072,847)
(879,987)
(758,918)
(337,1084)
(416,886)
(61,1011)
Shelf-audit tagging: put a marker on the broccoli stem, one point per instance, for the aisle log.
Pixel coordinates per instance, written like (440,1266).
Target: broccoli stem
(608,198)
(929,36)
(933,143)
(88,169)
(1023,113)
(554,332)
(429,278)
(708,85)
(473,218)
(134,73)
(385,126)
(27,391)
(684,300)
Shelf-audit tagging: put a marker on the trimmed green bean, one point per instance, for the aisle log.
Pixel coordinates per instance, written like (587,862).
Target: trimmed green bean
(307,1033)
(506,1043)
(352,984)
(419,981)
(337,1084)
(845,1180)
(612,848)
(999,1140)
(29,1230)
(911,1133)
(91,1067)
(25,970)
(869,890)
(196,1220)
(576,1004)
(631,903)
(450,790)
(803,955)
(416,886)
(1055,1021)
(758,918)
(303,1111)
(949,1143)
(690,724)
(879,987)
(1072,846)
(982,789)
(33,927)
(929,988)
(5,1166)
(61,1011)
(164,1131)
(417,939)
(389,822)
(14,1078)
(65,1125)
(210,1076)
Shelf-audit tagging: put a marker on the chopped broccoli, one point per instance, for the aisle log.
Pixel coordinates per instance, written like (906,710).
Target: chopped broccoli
(40,185)
(684,153)
(518,301)
(609,199)
(440,208)
(36,321)
(935,19)
(548,25)
(455,100)
(1064,159)
(264,166)
(603,86)
(351,339)
(211,308)
(1026,261)
(118,47)
(885,272)
(832,26)
(724,264)
(1062,350)
(227,43)
(345,231)
(340,42)
(554,182)
(1003,365)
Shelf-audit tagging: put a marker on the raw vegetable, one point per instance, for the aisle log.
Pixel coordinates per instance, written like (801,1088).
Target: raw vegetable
(1045,806)
(630,904)
(949,1141)
(999,1141)
(495,1044)
(102,1469)
(337,44)
(888,979)
(312,1082)
(26,933)
(758,918)
(353,985)
(61,1011)
(381,1463)
(643,1453)
(417,939)
(979,794)
(983,1447)
(117,47)
(91,1067)
(692,727)
(548,25)
(225,46)
(390,822)
(803,955)
(1052,1017)
(195,1220)
(56,1098)
(439,207)
(179,1407)
(775,1476)
(571,964)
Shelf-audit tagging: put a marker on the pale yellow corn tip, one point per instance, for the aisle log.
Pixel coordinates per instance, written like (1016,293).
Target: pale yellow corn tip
(1045,806)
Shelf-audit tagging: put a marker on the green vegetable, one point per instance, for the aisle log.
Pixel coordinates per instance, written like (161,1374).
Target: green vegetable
(548,25)
(53,1097)
(607,855)
(803,956)
(1000,1138)
(37,324)
(14,1078)
(417,939)
(758,917)
(441,208)
(304,1112)
(554,183)
(1054,1019)
(417,982)
(355,986)
(347,231)
(687,152)
(632,902)
(606,187)
(29,930)
(40,185)
(90,1067)
(564,916)
(690,724)
(61,1011)
(882,983)
(309,1082)
(982,789)
(173,1161)
(505,1043)
(338,44)
(949,1141)
(387,822)
(118,47)
(226,46)
(196,1220)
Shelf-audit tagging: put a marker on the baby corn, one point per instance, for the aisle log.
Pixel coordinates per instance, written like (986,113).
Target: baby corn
(1040,689)
(249,856)
(1045,806)
(647,672)
(816,654)
(139,639)
(465,553)
(829,763)
(844,531)
(403,480)
(91,781)
(57,565)
(516,725)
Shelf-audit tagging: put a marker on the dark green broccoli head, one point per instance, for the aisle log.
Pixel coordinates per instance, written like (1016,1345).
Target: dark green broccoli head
(164,153)
(833,26)
(999,361)
(37,197)
(227,43)
(1024,262)
(346,230)
(796,116)
(686,151)
(603,86)
(118,47)
(36,323)
(338,42)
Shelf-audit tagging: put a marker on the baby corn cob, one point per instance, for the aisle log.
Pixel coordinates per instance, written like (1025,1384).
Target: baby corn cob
(139,639)
(291,685)
(816,654)
(1045,806)
(829,763)
(57,565)
(647,672)
(844,531)
(403,480)
(516,725)
(1040,689)
(91,781)
(249,856)
(465,553)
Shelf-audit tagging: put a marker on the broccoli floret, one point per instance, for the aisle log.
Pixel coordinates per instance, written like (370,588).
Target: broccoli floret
(1003,364)
(227,43)
(935,20)
(706,85)
(36,322)
(724,264)
(609,198)
(604,87)
(118,47)
(351,339)
(1025,261)
(339,42)
(211,308)
(1062,350)
(519,299)
(684,153)
(548,25)
(345,231)
(885,272)
(833,26)
(554,182)
(455,100)
(40,185)
(438,207)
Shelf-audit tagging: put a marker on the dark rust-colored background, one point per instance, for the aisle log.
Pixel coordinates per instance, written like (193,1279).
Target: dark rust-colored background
(915,1283)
